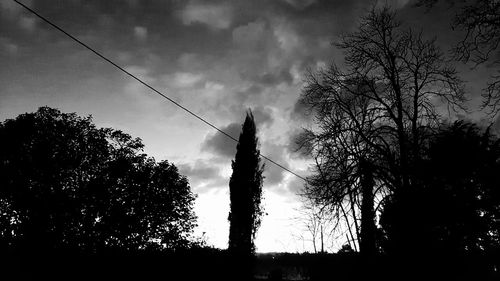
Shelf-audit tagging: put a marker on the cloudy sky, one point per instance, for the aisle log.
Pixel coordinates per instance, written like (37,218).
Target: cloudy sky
(217,58)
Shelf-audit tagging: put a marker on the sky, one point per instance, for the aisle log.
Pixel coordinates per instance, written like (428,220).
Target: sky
(217,58)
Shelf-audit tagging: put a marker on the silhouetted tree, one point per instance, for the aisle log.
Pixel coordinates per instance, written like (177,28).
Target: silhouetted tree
(245,193)
(245,189)
(66,184)
(453,207)
(373,116)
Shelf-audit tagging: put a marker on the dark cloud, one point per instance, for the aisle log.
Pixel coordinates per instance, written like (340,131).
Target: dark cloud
(275,78)
(300,4)
(272,173)
(259,41)
(200,170)
(203,175)
(214,15)
(300,111)
(220,144)
(251,36)
(298,147)
(295,186)
(252,91)
(263,116)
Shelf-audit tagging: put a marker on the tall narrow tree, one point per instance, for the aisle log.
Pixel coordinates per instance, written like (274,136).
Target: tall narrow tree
(245,188)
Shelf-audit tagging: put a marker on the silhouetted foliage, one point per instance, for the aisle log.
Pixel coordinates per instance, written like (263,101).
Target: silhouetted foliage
(453,205)
(194,263)
(66,184)
(245,187)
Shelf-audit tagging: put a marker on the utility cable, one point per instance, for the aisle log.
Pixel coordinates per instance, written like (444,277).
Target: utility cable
(149,86)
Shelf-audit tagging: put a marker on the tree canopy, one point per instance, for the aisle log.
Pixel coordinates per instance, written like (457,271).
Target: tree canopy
(68,184)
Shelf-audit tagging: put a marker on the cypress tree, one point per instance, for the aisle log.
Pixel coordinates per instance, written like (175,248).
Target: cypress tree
(245,188)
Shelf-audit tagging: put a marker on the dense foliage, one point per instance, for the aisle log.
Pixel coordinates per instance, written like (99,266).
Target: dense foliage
(453,205)
(67,184)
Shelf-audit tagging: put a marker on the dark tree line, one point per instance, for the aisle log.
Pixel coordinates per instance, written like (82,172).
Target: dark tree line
(66,184)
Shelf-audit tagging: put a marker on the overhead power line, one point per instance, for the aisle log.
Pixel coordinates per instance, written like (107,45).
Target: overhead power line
(148,86)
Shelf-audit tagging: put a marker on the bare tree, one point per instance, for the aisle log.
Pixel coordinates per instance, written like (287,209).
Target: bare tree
(377,110)
(318,225)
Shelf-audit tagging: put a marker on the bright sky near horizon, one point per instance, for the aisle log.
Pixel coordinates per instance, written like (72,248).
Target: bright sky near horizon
(217,58)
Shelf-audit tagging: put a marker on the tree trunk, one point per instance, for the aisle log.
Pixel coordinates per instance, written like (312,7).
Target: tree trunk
(367,244)
(322,242)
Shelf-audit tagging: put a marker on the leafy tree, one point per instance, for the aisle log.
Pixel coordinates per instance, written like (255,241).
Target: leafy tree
(455,206)
(245,189)
(373,116)
(68,185)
